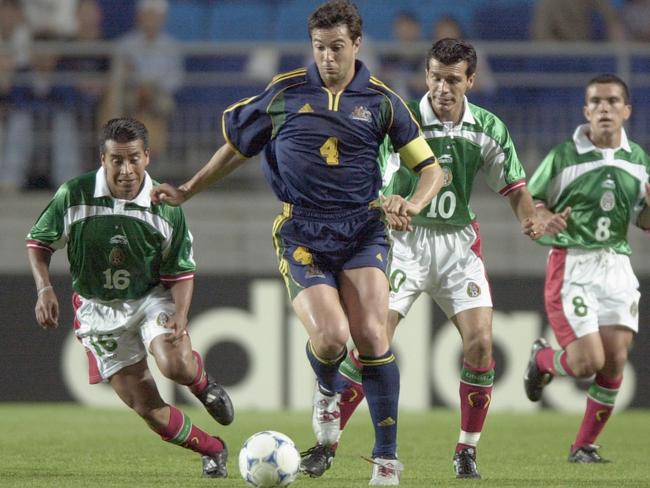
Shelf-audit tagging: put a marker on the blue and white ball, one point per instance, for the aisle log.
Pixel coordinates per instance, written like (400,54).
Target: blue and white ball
(269,459)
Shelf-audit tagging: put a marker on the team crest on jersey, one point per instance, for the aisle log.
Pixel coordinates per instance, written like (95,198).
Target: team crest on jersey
(162,319)
(445,159)
(634,309)
(117,256)
(608,201)
(361,113)
(302,256)
(473,290)
(447,177)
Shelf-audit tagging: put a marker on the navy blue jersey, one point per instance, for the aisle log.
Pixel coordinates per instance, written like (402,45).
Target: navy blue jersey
(320,148)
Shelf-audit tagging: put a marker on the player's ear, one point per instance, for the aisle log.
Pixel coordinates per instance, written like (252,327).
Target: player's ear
(146,157)
(470,81)
(627,111)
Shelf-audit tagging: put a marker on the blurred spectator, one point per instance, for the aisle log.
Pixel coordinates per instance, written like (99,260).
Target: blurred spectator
(91,73)
(41,126)
(155,68)
(576,20)
(484,82)
(403,71)
(636,19)
(16,39)
(92,84)
(54,19)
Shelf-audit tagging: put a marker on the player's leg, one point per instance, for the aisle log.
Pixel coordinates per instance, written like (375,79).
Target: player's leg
(601,395)
(408,277)
(136,388)
(476,383)
(319,309)
(364,292)
(177,361)
(460,287)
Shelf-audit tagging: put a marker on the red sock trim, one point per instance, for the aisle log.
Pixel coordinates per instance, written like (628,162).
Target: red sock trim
(609,383)
(479,370)
(174,425)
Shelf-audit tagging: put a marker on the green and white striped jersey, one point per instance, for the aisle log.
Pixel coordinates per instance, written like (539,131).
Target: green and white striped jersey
(603,187)
(117,249)
(479,142)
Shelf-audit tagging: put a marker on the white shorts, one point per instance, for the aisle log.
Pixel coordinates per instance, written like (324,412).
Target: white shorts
(117,334)
(585,290)
(444,262)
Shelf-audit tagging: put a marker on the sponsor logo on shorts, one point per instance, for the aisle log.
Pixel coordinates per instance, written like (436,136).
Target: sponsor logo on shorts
(634,309)
(473,290)
(361,113)
(608,201)
(162,319)
(314,271)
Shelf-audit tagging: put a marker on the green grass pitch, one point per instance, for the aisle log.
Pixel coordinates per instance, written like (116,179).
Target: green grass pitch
(64,445)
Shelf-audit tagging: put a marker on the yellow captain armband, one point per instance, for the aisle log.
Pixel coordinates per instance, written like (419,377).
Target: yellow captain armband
(416,151)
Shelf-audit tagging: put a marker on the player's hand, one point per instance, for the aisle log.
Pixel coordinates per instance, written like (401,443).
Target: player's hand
(557,222)
(398,222)
(47,309)
(169,194)
(533,227)
(178,324)
(398,205)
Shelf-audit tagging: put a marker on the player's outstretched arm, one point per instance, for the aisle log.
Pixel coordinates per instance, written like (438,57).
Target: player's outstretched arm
(222,163)
(400,210)
(47,305)
(532,222)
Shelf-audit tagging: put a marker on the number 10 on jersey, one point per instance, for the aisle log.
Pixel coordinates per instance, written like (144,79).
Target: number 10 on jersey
(443,205)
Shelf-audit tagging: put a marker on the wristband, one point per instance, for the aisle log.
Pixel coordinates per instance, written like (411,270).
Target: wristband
(40,292)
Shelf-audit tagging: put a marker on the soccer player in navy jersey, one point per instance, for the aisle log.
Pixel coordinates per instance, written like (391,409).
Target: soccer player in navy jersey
(320,129)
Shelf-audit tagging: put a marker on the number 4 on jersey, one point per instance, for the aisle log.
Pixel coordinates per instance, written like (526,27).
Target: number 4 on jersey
(330,151)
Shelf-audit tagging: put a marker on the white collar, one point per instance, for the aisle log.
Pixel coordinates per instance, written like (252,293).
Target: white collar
(584,144)
(429,116)
(142,199)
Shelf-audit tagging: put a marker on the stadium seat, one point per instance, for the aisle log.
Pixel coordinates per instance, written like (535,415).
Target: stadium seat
(502,21)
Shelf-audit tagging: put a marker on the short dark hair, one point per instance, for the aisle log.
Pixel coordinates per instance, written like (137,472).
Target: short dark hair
(123,129)
(337,12)
(451,51)
(610,78)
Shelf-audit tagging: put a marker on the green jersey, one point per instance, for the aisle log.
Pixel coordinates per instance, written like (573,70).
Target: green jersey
(117,249)
(479,142)
(603,187)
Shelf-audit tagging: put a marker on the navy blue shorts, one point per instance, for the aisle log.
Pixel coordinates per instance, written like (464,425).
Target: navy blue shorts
(313,247)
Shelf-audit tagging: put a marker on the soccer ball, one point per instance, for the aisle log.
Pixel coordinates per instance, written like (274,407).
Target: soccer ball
(269,459)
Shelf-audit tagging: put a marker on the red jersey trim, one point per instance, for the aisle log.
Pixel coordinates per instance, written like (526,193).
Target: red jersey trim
(512,187)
